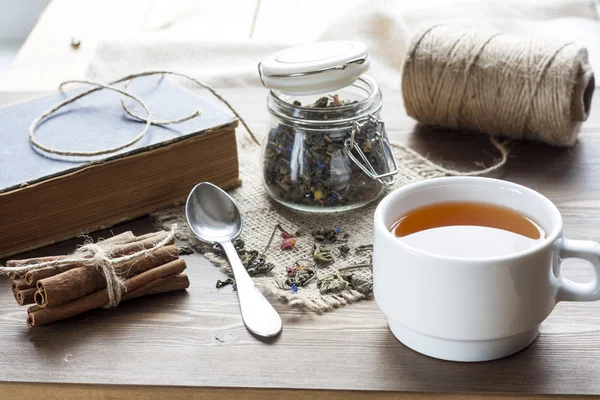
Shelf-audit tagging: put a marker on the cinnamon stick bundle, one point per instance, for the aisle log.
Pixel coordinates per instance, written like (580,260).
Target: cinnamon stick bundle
(100,298)
(32,277)
(75,286)
(81,281)
(108,245)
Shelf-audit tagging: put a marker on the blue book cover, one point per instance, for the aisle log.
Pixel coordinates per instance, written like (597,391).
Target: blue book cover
(97,122)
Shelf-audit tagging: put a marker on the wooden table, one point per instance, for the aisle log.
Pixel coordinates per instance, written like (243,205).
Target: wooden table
(194,344)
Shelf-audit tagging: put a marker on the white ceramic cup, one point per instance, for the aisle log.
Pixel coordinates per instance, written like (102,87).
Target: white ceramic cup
(474,309)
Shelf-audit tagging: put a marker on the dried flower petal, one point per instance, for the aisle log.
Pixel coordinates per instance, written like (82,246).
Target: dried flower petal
(336,100)
(288,244)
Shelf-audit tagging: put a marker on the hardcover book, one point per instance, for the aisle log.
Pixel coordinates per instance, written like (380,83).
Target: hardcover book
(46,198)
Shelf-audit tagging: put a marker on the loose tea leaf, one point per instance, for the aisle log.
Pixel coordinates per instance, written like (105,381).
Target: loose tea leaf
(304,276)
(344,250)
(228,281)
(364,248)
(238,244)
(254,262)
(325,102)
(323,254)
(259,266)
(332,284)
(360,283)
(329,236)
(185,250)
(298,275)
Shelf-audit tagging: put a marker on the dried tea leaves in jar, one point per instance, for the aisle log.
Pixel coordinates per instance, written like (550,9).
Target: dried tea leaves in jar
(311,167)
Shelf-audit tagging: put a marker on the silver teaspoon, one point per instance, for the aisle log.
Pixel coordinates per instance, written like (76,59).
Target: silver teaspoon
(214,217)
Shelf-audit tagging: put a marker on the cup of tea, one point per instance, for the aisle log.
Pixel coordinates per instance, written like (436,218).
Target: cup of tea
(466,269)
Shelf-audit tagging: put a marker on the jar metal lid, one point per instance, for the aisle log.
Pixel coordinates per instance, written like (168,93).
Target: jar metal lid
(315,68)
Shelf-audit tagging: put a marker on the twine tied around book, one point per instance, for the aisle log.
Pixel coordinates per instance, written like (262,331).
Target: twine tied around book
(92,255)
(148,119)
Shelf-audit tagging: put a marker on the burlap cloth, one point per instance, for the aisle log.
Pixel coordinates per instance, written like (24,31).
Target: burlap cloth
(261,214)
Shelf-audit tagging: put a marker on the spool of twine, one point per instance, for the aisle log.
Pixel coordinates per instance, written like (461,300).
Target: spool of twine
(496,83)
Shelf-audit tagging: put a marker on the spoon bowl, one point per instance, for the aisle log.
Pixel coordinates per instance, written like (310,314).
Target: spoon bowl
(212,215)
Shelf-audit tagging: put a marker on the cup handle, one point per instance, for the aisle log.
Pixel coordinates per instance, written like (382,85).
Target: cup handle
(586,250)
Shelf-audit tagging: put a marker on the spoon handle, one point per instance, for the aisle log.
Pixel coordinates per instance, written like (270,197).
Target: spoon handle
(259,315)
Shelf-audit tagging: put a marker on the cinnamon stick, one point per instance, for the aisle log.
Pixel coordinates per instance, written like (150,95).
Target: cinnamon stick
(124,237)
(147,242)
(78,282)
(33,308)
(31,277)
(148,235)
(29,261)
(100,298)
(39,297)
(110,245)
(163,285)
(22,284)
(25,296)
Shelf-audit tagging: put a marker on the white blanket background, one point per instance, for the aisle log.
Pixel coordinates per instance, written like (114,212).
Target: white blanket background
(178,38)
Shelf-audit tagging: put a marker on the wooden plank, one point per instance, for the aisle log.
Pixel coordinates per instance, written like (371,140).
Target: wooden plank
(10,391)
(172,340)
(47,57)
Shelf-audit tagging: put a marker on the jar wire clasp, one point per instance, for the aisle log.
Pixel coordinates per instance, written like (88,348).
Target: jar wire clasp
(387,177)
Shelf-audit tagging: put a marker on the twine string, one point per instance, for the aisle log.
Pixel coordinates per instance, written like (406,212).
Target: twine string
(99,86)
(500,146)
(197,113)
(114,284)
(148,119)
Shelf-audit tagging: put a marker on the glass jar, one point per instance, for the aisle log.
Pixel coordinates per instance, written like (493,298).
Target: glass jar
(327,151)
